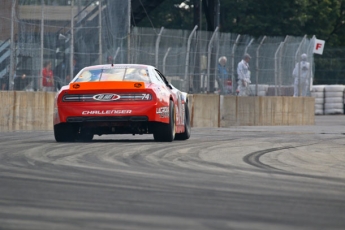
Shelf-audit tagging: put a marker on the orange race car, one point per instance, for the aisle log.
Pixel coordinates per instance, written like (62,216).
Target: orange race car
(121,99)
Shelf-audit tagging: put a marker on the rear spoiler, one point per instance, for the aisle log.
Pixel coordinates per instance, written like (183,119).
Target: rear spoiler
(106,85)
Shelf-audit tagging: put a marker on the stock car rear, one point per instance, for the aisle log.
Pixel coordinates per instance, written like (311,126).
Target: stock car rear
(120,99)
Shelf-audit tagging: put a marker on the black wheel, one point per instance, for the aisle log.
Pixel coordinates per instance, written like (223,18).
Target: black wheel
(65,132)
(187,129)
(166,132)
(85,136)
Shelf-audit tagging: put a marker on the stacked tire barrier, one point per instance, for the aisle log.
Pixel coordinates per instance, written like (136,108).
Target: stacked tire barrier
(318,92)
(334,99)
(262,90)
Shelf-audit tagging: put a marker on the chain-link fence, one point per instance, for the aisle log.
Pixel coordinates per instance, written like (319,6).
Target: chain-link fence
(190,58)
(85,32)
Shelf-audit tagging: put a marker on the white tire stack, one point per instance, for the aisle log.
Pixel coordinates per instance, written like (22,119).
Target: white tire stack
(318,92)
(262,90)
(334,99)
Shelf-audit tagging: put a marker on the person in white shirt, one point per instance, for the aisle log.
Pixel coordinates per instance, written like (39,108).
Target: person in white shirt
(243,75)
(301,74)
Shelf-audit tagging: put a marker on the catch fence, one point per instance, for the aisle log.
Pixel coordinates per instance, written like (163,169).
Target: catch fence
(98,31)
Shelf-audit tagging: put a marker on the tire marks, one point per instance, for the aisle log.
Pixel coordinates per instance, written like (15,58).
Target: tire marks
(254,158)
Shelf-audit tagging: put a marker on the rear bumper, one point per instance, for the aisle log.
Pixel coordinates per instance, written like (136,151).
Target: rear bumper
(107,119)
(77,113)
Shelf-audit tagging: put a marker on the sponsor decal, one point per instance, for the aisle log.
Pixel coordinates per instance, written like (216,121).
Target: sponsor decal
(106,97)
(105,112)
(137,85)
(163,112)
(76,86)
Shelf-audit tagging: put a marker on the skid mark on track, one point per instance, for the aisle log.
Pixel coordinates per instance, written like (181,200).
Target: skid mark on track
(254,158)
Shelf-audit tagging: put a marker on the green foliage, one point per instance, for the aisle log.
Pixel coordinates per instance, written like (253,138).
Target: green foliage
(323,18)
(169,15)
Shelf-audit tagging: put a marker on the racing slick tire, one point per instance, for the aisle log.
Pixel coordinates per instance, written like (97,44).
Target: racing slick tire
(85,136)
(65,132)
(187,130)
(166,132)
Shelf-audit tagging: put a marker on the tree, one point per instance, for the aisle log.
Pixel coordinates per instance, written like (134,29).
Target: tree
(323,18)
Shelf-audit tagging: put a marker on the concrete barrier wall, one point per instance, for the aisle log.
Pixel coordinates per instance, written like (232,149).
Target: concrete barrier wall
(266,111)
(205,110)
(22,110)
(34,110)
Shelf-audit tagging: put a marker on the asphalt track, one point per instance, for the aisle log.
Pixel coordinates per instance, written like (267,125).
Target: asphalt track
(285,177)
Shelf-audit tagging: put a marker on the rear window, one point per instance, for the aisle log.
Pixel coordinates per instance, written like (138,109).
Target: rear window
(113,74)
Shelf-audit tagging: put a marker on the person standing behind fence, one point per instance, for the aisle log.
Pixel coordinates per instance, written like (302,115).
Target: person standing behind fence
(47,77)
(301,74)
(243,75)
(222,75)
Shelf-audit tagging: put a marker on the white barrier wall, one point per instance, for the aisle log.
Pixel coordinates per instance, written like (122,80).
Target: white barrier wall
(22,111)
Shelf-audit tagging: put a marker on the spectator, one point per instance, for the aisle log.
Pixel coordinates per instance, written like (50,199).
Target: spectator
(47,77)
(243,75)
(110,60)
(301,74)
(223,76)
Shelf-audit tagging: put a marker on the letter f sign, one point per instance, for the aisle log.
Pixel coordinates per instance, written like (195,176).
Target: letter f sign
(319,46)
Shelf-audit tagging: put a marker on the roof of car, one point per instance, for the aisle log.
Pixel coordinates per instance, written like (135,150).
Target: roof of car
(119,66)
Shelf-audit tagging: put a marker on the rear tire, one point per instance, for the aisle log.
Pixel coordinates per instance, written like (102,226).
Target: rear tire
(65,132)
(166,132)
(187,129)
(85,136)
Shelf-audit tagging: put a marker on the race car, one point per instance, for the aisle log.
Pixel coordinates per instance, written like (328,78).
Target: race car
(121,99)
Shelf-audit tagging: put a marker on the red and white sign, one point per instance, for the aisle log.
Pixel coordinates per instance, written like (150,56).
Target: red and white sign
(318,47)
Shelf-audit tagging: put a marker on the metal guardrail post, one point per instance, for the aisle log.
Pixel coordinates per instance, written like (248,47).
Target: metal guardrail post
(186,77)
(164,59)
(209,58)
(157,46)
(257,65)
(233,62)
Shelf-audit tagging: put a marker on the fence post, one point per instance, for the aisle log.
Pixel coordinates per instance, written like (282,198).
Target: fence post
(311,59)
(276,68)
(100,32)
(157,46)
(12,61)
(257,65)
(233,62)
(116,53)
(280,64)
(249,44)
(298,60)
(209,58)
(186,77)
(71,41)
(164,59)
(42,45)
